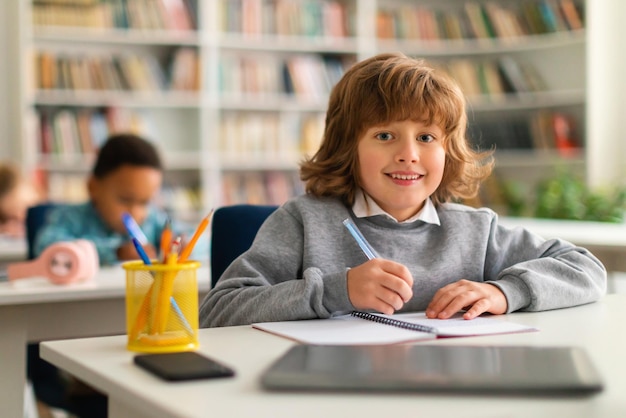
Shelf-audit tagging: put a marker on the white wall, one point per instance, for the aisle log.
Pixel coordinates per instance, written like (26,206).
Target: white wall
(606,84)
(3,82)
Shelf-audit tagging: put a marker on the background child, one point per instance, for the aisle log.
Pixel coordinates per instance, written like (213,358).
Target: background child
(126,177)
(393,155)
(16,195)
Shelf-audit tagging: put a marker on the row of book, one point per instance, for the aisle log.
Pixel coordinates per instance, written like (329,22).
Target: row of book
(284,139)
(69,132)
(80,131)
(281,136)
(306,75)
(496,77)
(479,20)
(72,188)
(130,72)
(171,15)
(180,201)
(266,188)
(312,18)
(544,130)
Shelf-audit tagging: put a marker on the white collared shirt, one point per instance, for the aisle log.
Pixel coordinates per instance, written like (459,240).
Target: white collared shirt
(365,206)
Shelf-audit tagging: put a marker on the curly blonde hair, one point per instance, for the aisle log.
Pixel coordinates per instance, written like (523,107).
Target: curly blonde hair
(385,88)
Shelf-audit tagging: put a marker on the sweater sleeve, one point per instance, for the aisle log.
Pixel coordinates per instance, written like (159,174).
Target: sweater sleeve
(267,283)
(537,274)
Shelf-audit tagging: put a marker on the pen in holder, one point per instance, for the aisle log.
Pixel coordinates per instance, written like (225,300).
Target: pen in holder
(161,306)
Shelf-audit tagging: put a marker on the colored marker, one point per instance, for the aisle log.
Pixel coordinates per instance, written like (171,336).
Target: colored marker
(369,251)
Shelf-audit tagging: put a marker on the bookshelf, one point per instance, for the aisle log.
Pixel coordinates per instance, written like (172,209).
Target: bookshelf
(522,66)
(263,72)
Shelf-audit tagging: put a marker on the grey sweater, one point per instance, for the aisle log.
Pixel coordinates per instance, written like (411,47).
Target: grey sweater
(296,267)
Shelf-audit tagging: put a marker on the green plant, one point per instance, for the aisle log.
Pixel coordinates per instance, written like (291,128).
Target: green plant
(567,196)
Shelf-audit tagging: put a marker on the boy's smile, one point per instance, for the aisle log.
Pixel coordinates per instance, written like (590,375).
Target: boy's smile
(401,164)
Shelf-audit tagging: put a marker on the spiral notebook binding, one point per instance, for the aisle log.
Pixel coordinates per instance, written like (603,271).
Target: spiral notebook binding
(394,322)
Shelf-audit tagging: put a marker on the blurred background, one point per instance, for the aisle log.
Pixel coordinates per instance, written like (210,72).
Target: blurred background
(233,92)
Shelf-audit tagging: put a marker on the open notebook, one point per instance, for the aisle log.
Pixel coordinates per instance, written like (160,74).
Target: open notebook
(369,328)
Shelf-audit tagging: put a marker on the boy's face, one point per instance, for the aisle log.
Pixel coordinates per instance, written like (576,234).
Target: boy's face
(127,189)
(401,165)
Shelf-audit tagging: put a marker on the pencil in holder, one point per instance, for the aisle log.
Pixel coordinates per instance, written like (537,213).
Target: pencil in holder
(161,306)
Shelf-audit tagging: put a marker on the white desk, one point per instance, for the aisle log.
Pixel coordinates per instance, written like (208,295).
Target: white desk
(12,249)
(36,310)
(105,364)
(605,240)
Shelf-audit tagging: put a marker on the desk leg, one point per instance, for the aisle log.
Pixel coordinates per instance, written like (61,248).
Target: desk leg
(12,360)
(122,410)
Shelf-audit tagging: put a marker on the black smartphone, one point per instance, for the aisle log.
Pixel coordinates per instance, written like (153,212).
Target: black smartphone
(187,365)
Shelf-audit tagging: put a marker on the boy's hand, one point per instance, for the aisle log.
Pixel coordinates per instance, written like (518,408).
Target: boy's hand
(127,252)
(379,284)
(476,297)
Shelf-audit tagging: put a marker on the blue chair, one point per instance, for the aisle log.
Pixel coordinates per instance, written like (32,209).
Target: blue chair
(232,231)
(35,219)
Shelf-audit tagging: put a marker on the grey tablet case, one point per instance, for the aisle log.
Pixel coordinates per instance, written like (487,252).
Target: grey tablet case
(435,368)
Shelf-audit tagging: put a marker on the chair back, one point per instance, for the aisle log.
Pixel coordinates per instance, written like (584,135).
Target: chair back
(35,219)
(233,229)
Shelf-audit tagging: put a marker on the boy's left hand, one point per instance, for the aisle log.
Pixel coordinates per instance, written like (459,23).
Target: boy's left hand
(476,297)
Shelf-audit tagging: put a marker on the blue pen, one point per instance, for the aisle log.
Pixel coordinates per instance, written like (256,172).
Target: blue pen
(369,251)
(133,229)
(146,260)
(142,253)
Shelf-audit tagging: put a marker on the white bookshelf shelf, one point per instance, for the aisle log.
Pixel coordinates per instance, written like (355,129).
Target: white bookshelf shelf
(490,46)
(116,36)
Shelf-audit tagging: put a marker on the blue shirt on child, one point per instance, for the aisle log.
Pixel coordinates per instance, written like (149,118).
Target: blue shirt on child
(82,221)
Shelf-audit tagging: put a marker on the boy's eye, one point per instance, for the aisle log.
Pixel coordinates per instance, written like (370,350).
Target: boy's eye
(425,138)
(384,136)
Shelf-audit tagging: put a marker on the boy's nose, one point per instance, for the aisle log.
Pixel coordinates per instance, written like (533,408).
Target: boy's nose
(407,151)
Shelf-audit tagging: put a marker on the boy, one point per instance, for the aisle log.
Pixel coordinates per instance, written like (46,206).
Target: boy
(125,178)
(393,158)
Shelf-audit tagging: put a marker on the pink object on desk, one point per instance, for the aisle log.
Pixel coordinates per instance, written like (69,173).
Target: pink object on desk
(62,263)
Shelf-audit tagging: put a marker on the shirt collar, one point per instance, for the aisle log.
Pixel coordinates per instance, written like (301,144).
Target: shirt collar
(364,206)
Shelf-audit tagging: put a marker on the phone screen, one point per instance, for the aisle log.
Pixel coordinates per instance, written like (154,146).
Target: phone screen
(187,365)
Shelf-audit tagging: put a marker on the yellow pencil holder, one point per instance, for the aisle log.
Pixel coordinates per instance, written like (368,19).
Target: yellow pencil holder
(161,306)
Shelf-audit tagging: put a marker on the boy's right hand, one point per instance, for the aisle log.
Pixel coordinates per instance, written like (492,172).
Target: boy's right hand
(379,284)
(127,251)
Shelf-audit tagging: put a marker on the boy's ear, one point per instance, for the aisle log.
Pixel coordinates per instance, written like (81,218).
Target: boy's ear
(92,186)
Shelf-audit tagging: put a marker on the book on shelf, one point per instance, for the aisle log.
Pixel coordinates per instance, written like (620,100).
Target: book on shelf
(255,18)
(362,328)
(520,77)
(495,78)
(267,188)
(553,130)
(66,132)
(179,199)
(510,134)
(116,71)
(185,70)
(572,14)
(64,187)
